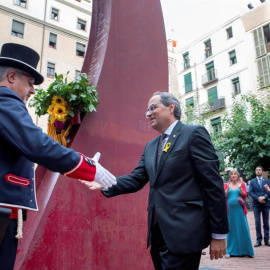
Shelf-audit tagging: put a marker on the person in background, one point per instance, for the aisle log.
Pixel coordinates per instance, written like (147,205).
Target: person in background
(260,206)
(248,198)
(187,208)
(238,239)
(22,144)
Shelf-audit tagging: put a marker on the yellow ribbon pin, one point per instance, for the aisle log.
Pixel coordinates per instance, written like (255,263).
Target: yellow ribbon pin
(167,146)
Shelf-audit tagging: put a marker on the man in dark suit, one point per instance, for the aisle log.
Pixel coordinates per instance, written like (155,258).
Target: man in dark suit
(22,143)
(187,209)
(260,205)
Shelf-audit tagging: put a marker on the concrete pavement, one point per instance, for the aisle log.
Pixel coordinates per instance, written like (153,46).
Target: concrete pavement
(260,262)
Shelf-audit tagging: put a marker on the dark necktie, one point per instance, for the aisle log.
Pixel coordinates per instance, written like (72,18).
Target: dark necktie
(160,146)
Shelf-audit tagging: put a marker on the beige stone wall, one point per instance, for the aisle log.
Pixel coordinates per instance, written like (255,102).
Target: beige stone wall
(256,16)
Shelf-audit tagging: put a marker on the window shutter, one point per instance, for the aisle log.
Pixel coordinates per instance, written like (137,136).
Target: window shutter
(232,54)
(190,101)
(264,71)
(215,121)
(188,82)
(212,94)
(210,65)
(53,38)
(80,47)
(18,27)
(259,42)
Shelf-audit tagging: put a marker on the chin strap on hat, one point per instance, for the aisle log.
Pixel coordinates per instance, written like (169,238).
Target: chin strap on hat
(19,234)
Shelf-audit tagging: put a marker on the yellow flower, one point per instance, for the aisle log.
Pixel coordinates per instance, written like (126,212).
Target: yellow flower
(52,119)
(60,112)
(50,109)
(59,100)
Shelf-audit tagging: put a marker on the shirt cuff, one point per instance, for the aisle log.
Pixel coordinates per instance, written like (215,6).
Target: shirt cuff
(218,236)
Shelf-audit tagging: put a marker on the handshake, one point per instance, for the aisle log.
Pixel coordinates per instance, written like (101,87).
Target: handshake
(103,178)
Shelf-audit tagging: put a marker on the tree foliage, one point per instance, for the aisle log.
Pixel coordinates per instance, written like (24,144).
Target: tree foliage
(245,140)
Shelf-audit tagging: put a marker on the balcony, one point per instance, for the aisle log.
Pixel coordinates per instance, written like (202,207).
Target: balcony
(209,77)
(217,104)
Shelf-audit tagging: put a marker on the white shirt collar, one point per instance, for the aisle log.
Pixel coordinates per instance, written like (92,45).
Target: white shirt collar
(170,128)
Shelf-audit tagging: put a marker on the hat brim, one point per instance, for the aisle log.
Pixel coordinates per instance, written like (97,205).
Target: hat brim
(10,62)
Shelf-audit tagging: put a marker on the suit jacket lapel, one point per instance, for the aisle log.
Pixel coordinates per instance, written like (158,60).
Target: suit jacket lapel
(153,149)
(170,144)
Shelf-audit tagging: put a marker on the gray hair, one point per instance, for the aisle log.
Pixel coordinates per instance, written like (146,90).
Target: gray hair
(166,99)
(5,70)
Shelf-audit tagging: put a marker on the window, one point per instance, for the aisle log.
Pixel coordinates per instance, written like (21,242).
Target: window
(236,86)
(77,73)
(210,71)
(54,14)
(216,125)
(21,3)
(80,49)
(52,40)
(259,41)
(17,29)
(50,69)
(229,32)
(266,31)
(186,60)
(81,24)
(189,109)
(232,56)
(212,94)
(264,71)
(208,48)
(190,102)
(188,82)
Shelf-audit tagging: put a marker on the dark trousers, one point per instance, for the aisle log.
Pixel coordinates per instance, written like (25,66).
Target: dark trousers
(163,259)
(258,209)
(8,248)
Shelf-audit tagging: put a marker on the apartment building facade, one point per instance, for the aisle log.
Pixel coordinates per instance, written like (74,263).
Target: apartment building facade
(57,29)
(231,60)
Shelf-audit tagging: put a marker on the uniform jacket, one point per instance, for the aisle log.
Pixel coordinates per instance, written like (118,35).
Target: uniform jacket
(22,144)
(186,189)
(255,191)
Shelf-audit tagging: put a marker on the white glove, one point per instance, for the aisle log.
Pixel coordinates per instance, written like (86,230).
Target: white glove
(103,176)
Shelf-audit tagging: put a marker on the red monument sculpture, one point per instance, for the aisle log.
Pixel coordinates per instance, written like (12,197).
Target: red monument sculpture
(79,229)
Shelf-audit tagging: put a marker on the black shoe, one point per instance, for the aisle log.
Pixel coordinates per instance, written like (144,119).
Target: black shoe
(267,243)
(258,243)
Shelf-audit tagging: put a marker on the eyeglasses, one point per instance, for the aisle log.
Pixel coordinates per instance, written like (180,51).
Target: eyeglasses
(24,74)
(151,108)
(27,75)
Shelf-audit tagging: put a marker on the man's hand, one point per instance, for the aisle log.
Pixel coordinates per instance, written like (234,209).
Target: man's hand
(217,248)
(261,199)
(103,176)
(92,185)
(267,188)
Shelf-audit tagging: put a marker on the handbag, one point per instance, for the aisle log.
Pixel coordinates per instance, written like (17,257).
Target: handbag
(241,201)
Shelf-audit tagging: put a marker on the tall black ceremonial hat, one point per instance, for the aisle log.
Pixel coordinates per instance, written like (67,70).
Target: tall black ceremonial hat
(21,57)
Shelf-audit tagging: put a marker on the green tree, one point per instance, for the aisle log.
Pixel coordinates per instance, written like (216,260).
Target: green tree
(245,140)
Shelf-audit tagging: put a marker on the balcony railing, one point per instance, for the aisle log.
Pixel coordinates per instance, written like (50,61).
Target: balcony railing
(216,104)
(209,77)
